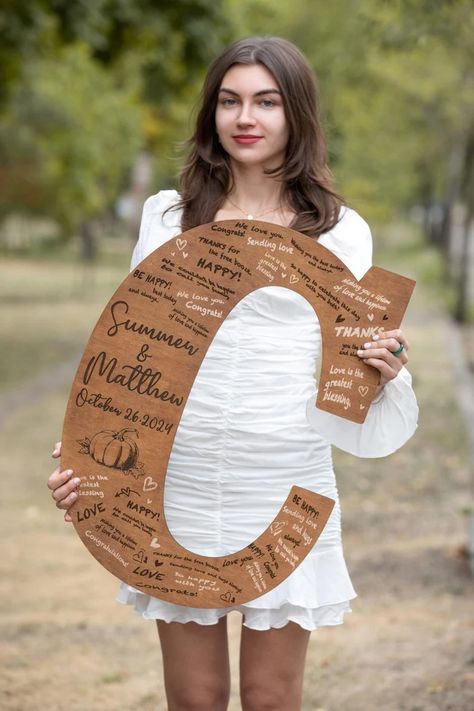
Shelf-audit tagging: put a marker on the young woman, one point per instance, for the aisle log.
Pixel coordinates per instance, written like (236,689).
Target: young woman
(250,428)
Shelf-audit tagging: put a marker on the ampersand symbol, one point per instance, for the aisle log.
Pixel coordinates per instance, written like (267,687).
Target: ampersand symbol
(143,354)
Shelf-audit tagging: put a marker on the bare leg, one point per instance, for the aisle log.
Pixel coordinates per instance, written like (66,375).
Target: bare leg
(272,668)
(196,665)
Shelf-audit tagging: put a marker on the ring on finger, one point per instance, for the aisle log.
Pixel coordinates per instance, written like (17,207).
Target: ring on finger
(399,350)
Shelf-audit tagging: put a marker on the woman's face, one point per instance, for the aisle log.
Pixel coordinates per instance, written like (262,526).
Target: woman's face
(250,119)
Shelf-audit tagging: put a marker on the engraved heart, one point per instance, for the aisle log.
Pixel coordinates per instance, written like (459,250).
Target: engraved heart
(370,317)
(283,275)
(149,501)
(385,317)
(149,484)
(363,389)
(340,319)
(154,543)
(277,527)
(361,407)
(140,557)
(293,279)
(181,243)
(227,597)
(173,253)
(185,254)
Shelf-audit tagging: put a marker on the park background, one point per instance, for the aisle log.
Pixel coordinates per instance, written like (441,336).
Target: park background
(95,98)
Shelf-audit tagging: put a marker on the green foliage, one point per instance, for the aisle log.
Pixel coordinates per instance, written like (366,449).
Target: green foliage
(86,83)
(173,38)
(71,132)
(395,78)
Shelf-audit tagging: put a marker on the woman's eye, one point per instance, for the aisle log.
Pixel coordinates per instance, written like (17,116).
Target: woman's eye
(267,103)
(228,102)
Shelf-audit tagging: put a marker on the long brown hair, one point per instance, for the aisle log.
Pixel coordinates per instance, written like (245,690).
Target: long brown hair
(206,177)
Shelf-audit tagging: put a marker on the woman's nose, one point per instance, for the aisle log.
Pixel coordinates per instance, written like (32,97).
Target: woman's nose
(246,117)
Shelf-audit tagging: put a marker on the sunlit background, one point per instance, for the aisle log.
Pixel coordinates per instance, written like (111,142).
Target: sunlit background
(96,99)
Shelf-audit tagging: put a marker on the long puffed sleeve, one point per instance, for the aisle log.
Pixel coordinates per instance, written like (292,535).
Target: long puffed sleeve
(156,228)
(391,421)
(392,417)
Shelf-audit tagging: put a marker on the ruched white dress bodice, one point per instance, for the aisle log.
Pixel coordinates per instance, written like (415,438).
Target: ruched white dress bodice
(250,430)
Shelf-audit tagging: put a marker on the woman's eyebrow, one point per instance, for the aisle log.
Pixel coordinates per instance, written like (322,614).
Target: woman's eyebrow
(257,93)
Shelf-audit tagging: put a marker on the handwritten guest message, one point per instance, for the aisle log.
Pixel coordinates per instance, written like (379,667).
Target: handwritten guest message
(135,376)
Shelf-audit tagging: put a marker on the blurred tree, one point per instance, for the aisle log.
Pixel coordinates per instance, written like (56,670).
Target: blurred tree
(69,120)
(425,54)
(173,38)
(71,132)
(464,275)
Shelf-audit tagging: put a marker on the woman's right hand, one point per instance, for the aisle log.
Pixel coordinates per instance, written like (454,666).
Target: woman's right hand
(63,485)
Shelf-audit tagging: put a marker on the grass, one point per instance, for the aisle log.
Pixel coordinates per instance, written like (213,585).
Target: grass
(403,248)
(48,311)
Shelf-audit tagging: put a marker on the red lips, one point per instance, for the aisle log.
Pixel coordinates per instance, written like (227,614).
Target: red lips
(246,139)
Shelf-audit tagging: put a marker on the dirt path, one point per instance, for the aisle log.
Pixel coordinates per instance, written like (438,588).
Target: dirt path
(407,646)
(38,387)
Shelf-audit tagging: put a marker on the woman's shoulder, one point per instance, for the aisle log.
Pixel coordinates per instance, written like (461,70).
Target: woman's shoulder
(350,239)
(349,229)
(159,223)
(158,212)
(350,222)
(161,201)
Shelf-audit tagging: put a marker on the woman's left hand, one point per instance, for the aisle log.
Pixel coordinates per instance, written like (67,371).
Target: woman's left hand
(387,352)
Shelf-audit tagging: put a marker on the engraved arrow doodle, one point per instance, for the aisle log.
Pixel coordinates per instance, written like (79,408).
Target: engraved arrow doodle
(126,492)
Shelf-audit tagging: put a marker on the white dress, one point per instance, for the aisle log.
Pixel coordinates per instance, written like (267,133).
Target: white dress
(250,430)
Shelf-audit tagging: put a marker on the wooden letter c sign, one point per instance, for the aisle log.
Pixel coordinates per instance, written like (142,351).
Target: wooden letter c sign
(132,384)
